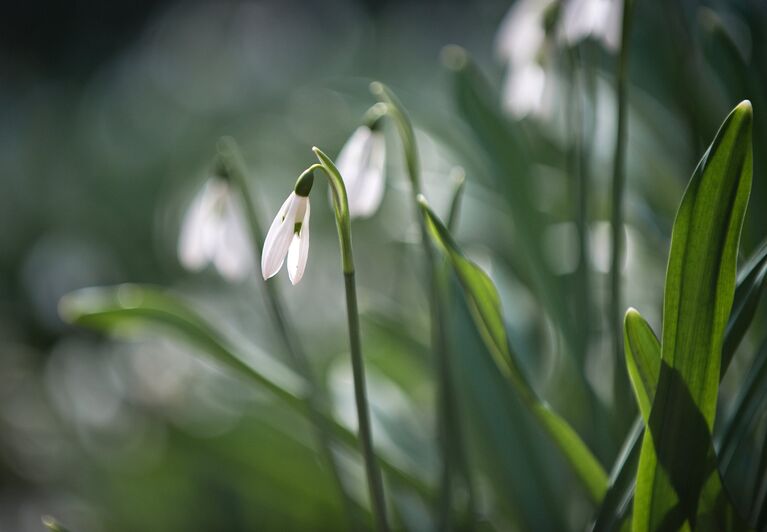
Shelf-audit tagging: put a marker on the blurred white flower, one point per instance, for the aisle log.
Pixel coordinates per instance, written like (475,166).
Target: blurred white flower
(361,164)
(288,235)
(214,231)
(521,43)
(600,19)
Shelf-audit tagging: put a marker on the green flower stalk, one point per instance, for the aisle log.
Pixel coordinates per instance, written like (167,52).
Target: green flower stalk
(289,236)
(450,430)
(231,166)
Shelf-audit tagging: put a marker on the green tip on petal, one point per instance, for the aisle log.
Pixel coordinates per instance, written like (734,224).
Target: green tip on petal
(304,183)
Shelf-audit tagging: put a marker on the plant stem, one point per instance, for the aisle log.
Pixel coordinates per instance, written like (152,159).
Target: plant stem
(375,483)
(620,381)
(343,225)
(449,421)
(235,168)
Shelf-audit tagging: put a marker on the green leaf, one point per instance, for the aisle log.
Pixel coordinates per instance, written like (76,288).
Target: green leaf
(128,307)
(642,359)
(507,151)
(748,406)
(485,306)
(751,281)
(676,464)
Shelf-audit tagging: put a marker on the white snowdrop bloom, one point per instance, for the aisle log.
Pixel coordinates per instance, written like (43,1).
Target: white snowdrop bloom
(600,19)
(521,35)
(213,231)
(288,235)
(523,90)
(361,164)
(521,43)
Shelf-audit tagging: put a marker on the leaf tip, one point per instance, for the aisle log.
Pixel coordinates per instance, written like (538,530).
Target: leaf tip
(376,88)
(745,108)
(631,314)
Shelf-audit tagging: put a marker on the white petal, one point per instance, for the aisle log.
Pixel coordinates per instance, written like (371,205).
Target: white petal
(278,238)
(233,256)
(368,191)
(611,32)
(299,250)
(195,246)
(523,89)
(584,18)
(521,34)
(352,158)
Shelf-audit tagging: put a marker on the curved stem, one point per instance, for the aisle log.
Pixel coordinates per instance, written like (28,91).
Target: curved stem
(233,165)
(343,224)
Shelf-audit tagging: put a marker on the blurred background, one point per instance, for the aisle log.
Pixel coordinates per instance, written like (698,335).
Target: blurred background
(109,117)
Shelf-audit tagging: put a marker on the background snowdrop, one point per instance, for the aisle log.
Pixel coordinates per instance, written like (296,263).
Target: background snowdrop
(361,164)
(600,19)
(521,43)
(214,231)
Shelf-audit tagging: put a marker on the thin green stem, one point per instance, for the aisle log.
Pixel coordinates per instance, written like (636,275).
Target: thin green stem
(375,483)
(234,167)
(343,224)
(620,384)
(449,423)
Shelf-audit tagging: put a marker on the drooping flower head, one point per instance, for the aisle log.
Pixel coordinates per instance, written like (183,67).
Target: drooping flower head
(361,164)
(214,231)
(600,19)
(525,42)
(289,234)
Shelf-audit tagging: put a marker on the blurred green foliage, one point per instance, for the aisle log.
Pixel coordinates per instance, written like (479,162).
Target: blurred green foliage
(99,160)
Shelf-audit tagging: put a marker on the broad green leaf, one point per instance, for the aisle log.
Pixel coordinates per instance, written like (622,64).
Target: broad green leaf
(676,465)
(642,359)
(128,307)
(751,281)
(485,306)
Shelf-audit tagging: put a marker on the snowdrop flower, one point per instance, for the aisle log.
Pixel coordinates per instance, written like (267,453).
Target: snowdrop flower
(361,164)
(213,231)
(289,235)
(521,42)
(600,19)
